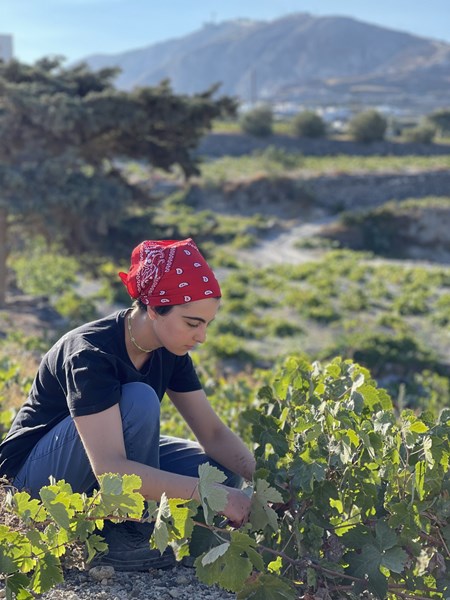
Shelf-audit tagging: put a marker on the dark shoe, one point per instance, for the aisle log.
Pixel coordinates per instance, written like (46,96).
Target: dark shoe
(129,549)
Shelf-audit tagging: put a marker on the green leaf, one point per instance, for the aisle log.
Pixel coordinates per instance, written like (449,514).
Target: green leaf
(267,587)
(161,533)
(418,427)
(394,559)
(275,565)
(47,574)
(427,445)
(212,496)
(57,510)
(383,422)
(366,566)
(304,474)
(230,563)
(266,393)
(261,514)
(385,537)
(95,543)
(202,539)
(182,512)
(15,552)
(215,553)
(118,496)
(56,539)
(28,509)
(18,585)
(229,570)
(247,546)
(419,478)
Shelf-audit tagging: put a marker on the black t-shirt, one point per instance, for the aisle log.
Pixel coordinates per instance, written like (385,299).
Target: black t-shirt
(82,374)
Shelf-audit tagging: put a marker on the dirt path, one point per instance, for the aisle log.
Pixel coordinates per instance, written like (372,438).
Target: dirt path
(281,247)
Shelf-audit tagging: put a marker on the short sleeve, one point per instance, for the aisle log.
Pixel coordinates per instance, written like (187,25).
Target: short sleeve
(91,381)
(184,376)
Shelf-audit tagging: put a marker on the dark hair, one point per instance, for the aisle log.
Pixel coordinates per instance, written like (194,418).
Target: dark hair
(161,310)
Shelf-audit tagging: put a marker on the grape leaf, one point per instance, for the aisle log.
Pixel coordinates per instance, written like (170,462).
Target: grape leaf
(266,587)
(28,509)
(213,497)
(118,495)
(261,514)
(366,566)
(247,546)
(215,553)
(15,552)
(16,587)
(57,510)
(48,573)
(394,559)
(229,570)
(182,512)
(95,543)
(385,537)
(161,533)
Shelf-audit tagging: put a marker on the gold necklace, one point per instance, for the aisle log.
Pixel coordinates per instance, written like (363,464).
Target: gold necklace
(132,336)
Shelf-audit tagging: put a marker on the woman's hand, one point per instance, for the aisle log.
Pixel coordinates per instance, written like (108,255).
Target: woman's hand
(237,508)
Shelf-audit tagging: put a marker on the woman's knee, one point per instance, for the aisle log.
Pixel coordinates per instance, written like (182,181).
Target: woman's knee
(140,411)
(139,406)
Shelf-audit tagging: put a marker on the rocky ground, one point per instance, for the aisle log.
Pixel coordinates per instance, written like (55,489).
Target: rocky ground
(103,583)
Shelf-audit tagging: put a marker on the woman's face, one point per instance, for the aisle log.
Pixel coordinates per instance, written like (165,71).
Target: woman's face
(185,325)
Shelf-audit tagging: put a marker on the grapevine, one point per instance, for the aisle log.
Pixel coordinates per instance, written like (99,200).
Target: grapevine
(349,498)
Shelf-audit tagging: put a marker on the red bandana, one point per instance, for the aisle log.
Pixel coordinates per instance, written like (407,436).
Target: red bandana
(169,272)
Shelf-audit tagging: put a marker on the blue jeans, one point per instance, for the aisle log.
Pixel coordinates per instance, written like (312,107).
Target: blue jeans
(61,453)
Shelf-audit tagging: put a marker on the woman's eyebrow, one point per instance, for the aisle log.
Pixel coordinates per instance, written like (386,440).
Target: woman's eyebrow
(197,319)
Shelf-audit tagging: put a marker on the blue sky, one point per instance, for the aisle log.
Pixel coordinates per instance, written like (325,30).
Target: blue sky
(77,28)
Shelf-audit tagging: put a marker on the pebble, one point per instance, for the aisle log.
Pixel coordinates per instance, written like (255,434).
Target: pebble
(101,573)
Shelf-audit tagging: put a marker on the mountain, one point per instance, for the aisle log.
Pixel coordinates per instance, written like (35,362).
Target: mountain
(297,58)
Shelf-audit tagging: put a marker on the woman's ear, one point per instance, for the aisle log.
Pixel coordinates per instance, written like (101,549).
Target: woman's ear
(151,312)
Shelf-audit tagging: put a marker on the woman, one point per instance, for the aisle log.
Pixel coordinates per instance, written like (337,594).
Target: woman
(94,406)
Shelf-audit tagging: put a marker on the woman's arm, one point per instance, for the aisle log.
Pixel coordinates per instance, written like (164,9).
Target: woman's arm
(218,441)
(102,438)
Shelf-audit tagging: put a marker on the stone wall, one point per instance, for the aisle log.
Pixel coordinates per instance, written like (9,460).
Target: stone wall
(358,192)
(288,197)
(216,145)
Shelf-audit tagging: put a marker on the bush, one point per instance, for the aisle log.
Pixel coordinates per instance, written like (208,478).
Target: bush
(441,119)
(75,308)
(368,126)
(422,134)
(308,124)
(42,271)
(258,122)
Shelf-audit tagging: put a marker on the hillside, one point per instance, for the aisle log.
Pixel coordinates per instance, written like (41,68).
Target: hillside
(300,58)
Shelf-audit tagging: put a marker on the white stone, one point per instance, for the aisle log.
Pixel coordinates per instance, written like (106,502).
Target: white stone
(101,572)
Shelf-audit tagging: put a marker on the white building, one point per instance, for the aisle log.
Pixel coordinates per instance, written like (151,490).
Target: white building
(6,47)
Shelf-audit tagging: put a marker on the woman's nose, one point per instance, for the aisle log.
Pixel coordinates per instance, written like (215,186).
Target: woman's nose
(200,335)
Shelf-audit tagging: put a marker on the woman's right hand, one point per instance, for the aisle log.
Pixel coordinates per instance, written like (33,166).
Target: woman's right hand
(237,508)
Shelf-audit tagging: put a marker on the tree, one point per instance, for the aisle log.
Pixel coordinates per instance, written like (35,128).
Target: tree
(424,133)
(368,126)
(441,120)
(258,121)
(309,124)
(64,133)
